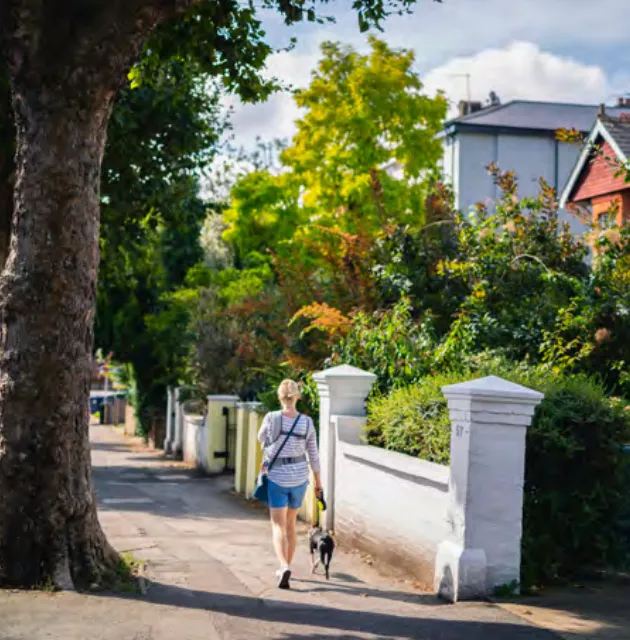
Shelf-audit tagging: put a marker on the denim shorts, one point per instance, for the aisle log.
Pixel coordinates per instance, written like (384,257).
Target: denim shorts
(291,497)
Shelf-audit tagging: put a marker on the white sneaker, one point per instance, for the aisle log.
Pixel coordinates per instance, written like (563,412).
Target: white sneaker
(283,575)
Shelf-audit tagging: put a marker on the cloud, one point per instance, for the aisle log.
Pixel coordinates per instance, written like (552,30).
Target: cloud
(520,70)
(440,31)
(581,52)
(274,118)
(268,121)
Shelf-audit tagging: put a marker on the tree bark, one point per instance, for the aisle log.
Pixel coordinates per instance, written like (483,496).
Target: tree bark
(7,159)
(63,85)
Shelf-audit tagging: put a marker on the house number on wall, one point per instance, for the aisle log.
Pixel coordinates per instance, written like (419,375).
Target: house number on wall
(459,430)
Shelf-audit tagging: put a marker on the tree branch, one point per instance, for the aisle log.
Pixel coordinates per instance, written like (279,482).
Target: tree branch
(80,43)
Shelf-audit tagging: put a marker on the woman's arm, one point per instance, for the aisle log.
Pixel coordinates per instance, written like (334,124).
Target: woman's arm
(264,429)
(313,455)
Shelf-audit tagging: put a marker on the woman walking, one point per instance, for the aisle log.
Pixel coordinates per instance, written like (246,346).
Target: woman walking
(288,477)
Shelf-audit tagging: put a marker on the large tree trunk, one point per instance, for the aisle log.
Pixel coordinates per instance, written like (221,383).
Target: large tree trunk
(65,65)
(47,292)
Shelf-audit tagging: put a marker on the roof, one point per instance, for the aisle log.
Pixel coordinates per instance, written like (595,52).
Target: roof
(614,131)
(619,129)
(531,116)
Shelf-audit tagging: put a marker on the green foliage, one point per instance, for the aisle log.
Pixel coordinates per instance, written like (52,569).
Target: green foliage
(363,111)
(124,577)
(575,482)
(406,258)
(390,344)
(413,420)
(263,213)
(215,362)
(504,260)
(223,40)
(592,331)
(283,251)
(162,133)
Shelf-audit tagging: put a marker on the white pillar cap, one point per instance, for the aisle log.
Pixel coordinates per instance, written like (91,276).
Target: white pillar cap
(493,388)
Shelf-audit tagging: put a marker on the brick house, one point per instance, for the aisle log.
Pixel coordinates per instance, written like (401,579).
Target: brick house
(597,183)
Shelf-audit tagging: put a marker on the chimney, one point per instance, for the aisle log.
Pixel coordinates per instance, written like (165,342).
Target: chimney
(465,107)
(602,110)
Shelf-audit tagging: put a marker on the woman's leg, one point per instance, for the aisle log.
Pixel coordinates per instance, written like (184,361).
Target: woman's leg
(296,498)
(292,515)
(279,533)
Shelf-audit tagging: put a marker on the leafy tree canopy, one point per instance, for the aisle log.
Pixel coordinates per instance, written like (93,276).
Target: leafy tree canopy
(361,113)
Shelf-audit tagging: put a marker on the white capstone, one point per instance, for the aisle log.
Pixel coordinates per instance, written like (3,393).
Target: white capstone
(492,387)
(223,398)
(490,406)
(348,385)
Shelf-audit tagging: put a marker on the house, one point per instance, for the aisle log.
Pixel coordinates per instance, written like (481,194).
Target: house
(520,136)
(597,182)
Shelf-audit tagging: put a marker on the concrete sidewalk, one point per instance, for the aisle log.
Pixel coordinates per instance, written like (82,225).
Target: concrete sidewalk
(211,574)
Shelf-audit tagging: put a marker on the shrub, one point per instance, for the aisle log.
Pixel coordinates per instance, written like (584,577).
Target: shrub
(507,256)
(574,481)
(576,470)
(592,332)
(412,420)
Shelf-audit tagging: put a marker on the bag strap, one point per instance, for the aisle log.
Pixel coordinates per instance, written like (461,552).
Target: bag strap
(299,415)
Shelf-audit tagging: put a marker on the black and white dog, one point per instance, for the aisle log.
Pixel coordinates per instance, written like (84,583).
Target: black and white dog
(322,543)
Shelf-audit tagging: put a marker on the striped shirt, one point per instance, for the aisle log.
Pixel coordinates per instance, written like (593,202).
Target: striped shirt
(302,443)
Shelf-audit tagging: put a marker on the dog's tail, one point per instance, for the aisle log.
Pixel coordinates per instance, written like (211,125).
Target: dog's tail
(325,556)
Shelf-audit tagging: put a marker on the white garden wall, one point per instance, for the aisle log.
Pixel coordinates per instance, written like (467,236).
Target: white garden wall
(389,504)
(457,528)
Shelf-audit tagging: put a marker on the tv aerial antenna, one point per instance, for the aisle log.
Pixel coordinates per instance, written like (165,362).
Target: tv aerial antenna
(467,76)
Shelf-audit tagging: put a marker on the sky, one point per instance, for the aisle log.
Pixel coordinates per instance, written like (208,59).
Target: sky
(552,50)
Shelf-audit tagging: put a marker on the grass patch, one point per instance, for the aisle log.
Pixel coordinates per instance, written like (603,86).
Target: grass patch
(47,586)
(507,590)
(126,576)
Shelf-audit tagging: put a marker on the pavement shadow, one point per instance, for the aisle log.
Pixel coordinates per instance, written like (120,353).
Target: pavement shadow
(340,621)
(176,494)
(157,458)
(110,446)
(365,592)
